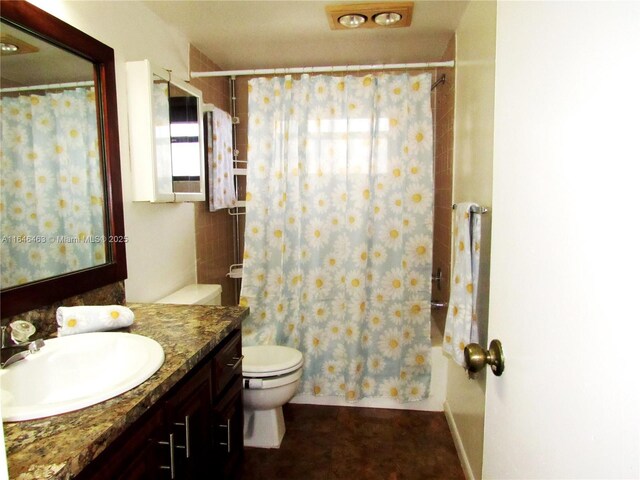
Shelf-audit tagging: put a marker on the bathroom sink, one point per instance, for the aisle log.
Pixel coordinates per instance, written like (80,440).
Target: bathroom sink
(76,371)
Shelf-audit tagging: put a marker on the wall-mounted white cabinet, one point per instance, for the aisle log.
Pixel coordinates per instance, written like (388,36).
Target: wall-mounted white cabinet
(165,136)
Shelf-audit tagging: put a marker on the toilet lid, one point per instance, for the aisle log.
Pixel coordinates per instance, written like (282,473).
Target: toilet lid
(270,360)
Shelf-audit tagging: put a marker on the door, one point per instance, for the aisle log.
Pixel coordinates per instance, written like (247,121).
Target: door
(564,261)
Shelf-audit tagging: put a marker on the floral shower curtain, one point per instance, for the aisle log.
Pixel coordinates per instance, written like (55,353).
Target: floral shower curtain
(51,205)
(338,239)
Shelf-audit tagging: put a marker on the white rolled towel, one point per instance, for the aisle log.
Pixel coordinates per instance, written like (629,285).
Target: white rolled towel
(83,319)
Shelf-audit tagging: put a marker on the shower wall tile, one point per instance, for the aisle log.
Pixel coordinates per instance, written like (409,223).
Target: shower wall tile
(214,230)
(443,180)
(214,90)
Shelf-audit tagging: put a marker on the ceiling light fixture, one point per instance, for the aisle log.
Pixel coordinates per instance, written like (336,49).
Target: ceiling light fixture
(352,20)
(8,47)
(385,19)
(361,15)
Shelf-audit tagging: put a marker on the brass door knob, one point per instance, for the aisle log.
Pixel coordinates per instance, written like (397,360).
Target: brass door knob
(477,357)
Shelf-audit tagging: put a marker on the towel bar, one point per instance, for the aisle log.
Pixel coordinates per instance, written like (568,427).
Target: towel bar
(475,209)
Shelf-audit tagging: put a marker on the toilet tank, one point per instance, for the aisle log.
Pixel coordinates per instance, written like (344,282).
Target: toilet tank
(196,294)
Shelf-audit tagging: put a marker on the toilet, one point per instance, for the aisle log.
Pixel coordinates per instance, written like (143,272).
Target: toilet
(271,375)
(195,294)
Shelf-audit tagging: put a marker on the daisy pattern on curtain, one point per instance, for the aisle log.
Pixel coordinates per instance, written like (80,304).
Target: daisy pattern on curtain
(337,259)
(51,200)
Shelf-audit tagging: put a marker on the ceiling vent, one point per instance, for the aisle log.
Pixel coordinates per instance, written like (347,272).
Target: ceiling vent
(370,15)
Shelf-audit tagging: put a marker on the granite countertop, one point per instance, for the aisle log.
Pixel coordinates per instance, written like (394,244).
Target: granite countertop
(59,447)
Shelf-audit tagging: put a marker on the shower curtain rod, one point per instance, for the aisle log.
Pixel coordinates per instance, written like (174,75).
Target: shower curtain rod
(343,68)
(47,87)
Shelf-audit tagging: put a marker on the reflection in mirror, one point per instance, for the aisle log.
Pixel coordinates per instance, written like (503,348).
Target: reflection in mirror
(61,207)
(185,140)
(52,218)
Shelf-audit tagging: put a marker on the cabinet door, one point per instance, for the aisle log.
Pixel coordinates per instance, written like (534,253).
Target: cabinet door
(189,417)
(139,454)
(228,425)
(151,461)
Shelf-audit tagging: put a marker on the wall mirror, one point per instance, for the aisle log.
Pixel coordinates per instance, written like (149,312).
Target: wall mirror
(166,137)
(61,222)
(186,140)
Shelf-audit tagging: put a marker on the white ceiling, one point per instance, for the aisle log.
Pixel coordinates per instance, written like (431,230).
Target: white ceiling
(247,34)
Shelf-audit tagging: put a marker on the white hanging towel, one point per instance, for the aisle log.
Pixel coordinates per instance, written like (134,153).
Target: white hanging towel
(222,193)
(461,325)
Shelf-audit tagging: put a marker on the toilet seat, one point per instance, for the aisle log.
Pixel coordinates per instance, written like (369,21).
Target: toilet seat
(264,361)
(265,383)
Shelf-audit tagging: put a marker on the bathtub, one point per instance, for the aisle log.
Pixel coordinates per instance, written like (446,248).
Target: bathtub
(438,388)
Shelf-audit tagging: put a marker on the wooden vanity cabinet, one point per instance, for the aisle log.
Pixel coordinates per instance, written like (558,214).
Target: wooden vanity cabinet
(194,432)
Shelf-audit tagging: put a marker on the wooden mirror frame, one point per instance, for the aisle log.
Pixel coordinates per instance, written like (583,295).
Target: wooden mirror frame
(22,298)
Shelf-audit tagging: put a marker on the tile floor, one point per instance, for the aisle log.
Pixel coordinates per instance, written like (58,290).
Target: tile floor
(348,443)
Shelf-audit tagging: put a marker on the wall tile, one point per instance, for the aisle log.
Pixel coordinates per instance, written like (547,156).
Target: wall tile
(214,230)
(443,114)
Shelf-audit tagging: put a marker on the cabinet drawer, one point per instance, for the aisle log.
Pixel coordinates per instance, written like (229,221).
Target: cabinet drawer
(227,363)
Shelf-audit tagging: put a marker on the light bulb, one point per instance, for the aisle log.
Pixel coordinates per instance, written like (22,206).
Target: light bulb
(352,20)
(387,18)
(8,47)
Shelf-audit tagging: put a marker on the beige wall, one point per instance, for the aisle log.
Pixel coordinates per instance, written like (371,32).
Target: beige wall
(161,247)
(472,181)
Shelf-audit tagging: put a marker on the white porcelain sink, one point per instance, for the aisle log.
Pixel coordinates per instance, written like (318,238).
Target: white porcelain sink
(76,371)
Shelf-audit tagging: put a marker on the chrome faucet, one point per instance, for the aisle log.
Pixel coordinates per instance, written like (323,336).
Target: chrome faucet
(15,345)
